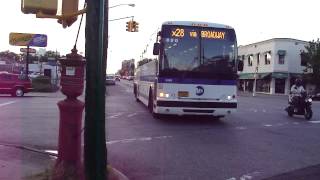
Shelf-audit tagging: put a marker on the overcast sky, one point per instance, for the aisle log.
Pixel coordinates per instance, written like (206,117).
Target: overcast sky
(253,20)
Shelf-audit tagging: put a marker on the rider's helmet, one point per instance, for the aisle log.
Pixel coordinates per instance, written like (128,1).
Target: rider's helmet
(298,82)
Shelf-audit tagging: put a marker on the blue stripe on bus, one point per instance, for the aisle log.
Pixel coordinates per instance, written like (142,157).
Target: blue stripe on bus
(197,81)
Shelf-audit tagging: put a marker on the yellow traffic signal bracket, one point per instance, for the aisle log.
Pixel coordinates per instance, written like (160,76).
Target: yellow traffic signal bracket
(48,9)
(61,17)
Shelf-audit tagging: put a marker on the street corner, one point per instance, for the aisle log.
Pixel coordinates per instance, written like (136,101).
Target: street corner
(17,163)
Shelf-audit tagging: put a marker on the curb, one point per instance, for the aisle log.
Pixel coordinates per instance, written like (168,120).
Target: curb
(114,174)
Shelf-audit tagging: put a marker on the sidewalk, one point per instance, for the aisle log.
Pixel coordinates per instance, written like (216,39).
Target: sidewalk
(16,164)
(249,94)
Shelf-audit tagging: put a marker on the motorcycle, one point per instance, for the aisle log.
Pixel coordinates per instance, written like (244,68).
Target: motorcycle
(300,105)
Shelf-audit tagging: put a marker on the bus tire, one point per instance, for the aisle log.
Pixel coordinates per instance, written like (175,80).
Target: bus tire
(135,91)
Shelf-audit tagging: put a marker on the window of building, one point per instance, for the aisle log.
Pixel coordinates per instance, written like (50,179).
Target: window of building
(250,60)
(304,58)
(258,59)
(281,54)
(267,57)
(281,59)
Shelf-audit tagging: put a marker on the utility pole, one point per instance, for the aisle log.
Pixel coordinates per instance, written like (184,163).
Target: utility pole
(95,151)
(27,62)
(255,82)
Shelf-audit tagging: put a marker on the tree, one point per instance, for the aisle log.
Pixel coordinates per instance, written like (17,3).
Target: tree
(9,57)
(144,61)
(49,54)
(311,59)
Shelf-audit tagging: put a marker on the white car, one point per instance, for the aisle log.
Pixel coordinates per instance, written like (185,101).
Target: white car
(110,79)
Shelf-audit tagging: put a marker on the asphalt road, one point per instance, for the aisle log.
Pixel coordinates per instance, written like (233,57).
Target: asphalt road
(259,141)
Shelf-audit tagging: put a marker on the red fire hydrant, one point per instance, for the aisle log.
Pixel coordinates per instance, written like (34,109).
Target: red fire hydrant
(69,152)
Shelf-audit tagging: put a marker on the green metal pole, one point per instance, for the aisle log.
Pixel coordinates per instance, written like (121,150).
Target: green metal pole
(95,151)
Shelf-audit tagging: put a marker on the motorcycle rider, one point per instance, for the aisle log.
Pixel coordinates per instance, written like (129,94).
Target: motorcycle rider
(297,91)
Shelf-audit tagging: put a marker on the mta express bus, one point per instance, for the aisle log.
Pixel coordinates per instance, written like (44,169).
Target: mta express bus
(191,70)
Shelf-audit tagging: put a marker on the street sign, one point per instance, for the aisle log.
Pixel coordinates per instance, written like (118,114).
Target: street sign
(25,50)
(24,39)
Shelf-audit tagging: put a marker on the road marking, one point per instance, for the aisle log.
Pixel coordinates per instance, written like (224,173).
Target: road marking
(315,122)
(133,114)
(115,116)
(267,125)
(246,176)
(241,128)
(264,110)
(137,140)
(7,103)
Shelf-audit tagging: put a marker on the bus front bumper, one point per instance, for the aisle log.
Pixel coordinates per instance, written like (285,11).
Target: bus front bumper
(195,108)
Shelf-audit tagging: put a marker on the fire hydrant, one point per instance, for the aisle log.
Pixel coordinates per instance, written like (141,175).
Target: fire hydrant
(69,161)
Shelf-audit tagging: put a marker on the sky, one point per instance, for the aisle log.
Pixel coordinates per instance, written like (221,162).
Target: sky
(253,21)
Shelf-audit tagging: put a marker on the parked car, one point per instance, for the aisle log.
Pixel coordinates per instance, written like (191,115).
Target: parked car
(117,78)
(14,84)
(316,97)
(130,78)
(34,74)
(110,79)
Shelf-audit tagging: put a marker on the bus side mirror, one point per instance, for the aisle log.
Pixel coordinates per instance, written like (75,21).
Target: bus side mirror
(156,48)
(240,65)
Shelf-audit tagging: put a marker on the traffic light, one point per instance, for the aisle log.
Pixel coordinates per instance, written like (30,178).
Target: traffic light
(129,26)
(34,6)
(69,8)
(135,26)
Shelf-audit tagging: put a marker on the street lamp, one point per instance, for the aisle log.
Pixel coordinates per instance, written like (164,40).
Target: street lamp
(132,5)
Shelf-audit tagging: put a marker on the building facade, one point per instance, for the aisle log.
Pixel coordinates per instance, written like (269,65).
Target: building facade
(271,66)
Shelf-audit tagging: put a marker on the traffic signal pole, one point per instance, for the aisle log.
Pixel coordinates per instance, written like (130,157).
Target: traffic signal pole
(95,151)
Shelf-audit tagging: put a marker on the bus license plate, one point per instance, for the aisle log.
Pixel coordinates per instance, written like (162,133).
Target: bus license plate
(183,94)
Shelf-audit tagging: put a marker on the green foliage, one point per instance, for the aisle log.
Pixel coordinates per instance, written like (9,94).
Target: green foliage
(312,62)
(144,61)
(10,57)
(43,84)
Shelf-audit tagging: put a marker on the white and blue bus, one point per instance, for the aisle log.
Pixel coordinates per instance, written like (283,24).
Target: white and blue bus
(191,70)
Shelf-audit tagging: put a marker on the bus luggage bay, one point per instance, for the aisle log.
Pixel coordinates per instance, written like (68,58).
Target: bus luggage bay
(192,69)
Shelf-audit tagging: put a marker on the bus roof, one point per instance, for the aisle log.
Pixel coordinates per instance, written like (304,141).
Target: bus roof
(197,23)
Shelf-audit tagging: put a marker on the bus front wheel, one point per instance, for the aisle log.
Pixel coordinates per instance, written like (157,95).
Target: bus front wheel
(150,106)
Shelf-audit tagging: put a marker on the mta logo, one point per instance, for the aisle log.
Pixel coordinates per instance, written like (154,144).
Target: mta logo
(199,91)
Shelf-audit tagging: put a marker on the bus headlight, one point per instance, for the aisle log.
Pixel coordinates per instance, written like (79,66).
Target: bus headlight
(229,97)
(164,95)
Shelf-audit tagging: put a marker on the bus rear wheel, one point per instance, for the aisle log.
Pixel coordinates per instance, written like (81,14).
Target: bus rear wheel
(135,91)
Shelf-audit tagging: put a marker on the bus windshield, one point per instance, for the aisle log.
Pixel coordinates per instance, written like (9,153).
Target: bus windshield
(198,52)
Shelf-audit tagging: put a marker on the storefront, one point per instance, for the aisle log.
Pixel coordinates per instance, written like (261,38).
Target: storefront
(269,83)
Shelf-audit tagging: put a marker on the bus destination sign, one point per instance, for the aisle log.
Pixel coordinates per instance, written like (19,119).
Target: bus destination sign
(206,34)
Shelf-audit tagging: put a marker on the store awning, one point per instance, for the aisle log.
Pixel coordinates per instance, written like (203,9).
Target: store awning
(295,75)
(252,75)
(262,75)
(279,75)
(246,76)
